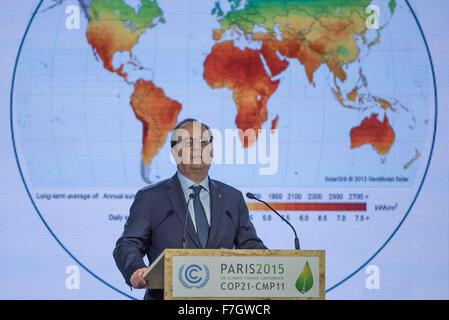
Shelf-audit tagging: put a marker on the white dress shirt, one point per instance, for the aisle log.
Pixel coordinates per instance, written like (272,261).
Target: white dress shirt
(186,183)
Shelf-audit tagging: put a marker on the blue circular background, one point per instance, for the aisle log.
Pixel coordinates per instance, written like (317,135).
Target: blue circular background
(127,295)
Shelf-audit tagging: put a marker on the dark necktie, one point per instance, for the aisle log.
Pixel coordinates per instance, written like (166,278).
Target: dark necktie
(202,227)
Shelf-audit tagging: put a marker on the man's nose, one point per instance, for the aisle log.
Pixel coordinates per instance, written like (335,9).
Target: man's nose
(196,144)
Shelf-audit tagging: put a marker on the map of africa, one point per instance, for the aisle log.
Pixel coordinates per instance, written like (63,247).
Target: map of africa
(351,99)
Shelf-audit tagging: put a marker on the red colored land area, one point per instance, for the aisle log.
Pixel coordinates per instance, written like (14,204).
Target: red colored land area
(158,114)
(371,131)
(268,50)
(274,122)
(243,72)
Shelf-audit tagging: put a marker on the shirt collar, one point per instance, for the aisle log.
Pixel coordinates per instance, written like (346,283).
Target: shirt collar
(186,183)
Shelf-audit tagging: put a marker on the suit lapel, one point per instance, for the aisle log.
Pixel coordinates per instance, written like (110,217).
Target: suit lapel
(216,212)
(177,200)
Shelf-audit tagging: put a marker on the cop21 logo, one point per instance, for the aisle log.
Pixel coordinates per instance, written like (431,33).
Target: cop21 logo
(193,276)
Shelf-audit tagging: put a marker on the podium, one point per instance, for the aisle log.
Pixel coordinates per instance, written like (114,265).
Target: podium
(206,274)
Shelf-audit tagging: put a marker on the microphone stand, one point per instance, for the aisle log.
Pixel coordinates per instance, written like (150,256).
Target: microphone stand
(251,196)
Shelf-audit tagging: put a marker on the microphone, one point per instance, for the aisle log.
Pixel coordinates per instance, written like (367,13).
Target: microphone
(252,196)
(184,241)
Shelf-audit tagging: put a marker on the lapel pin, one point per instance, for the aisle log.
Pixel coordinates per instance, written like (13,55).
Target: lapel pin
(219,195)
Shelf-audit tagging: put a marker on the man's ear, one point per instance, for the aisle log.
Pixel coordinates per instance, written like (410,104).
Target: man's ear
(176,154)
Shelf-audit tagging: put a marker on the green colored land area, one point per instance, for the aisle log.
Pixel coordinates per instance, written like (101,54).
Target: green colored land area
(119,9)
(267,11)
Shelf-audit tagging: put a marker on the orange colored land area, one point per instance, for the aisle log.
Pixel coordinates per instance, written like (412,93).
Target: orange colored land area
(384,103)
(158,114)
(268,50)
(352,95)
(290,47)
(274,123)
(371,131)
(109,36)
(243,72)
(331,42)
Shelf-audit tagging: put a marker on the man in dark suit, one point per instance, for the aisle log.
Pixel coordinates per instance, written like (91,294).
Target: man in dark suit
(217,213)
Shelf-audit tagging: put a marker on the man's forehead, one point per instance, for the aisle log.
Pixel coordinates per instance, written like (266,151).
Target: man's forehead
(193,128)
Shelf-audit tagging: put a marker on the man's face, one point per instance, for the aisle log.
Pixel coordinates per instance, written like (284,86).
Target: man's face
(194,148)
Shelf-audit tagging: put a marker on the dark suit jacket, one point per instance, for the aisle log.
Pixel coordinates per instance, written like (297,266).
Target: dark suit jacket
(156,222)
